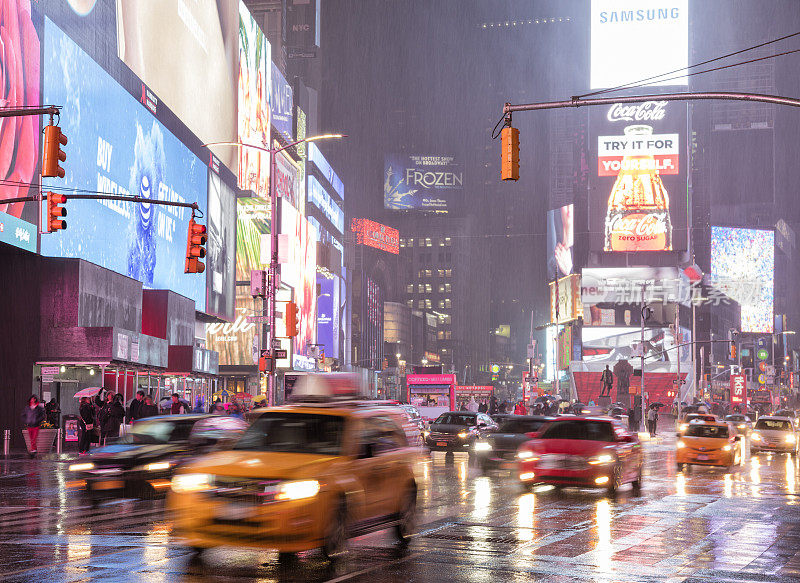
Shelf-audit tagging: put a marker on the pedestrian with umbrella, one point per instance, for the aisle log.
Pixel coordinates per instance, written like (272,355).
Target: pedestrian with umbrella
(652,418)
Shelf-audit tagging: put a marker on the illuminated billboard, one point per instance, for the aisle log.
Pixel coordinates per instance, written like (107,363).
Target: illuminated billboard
(422,183)
(565,299)
(203,79)
(252,236)
(282,104)
(560,241)
(254,110)
(220,247)
(328,315)
(376,235)
(743,268)
(19,136)
(636,39)
(315,156)
(299,270)
(235,340)
(637,199)
(117,146)
(320,198)
(287,181)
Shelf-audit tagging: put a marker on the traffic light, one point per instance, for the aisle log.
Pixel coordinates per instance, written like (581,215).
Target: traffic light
(53,154)
(509,139)
(733,349)
(292,322)
(266,364)
(55,212)
(194,248)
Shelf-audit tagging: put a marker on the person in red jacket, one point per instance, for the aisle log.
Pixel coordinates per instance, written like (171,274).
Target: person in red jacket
(520,409)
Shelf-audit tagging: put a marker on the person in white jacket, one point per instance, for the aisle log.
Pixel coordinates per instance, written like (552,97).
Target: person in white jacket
(472,405)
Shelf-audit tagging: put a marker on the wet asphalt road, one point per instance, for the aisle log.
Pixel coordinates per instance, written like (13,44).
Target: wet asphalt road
(702,525)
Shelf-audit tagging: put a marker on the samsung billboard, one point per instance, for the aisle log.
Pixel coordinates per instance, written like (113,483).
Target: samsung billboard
(636,39)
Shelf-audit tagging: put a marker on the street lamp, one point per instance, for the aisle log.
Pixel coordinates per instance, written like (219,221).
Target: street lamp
(273,265)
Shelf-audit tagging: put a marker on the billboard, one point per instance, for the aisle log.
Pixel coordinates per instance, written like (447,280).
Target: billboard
(118,147)
(220,247)
(422,183)
(299,270)
(625,285)
(204,78)
(282,104)
(287,181)
(743,268)
(253,228)
(328,315)
(254,109)
(565,299)
(376,235)
(235,341)
(637,200)
(315,156)
(560,240)
(613,344)
(637,39)
(19,136)
(320,198)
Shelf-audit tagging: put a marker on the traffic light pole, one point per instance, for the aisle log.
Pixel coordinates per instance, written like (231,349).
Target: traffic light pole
(138,199)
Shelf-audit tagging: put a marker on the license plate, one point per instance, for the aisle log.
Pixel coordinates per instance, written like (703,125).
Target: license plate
(702,458)
(108,485)
(233,511)
(441,443)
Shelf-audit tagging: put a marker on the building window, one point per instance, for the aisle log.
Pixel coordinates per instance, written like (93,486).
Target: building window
(441,288)
(410,288)
(420,288)
(447,287)
(411,242)
(448,273)
(428,273)
(428,288)
(441,273)
(402,242)
(447,242)
(428,242)
(447,303)
(421,304)
(441,304)
(440,335)
(428,304)
(410,303)
(446,319)
(447,335)
(441,242)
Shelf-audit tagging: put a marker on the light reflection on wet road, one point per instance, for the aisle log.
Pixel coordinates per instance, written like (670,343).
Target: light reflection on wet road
(702,524)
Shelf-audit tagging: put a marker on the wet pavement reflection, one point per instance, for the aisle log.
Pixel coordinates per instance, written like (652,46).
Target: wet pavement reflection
(699,524)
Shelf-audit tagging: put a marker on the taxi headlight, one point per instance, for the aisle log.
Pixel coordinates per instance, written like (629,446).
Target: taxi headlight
(680,444)
(683,427)
(525,454)
(156,466)
(81,467)
(483,446)
(742,426)
(464,434)
(726,448)
(426,433)
(601,459)
(187,483)
(297,490)
(755,436)
(790,439)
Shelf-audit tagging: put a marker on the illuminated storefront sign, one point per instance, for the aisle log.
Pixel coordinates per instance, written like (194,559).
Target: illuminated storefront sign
(376,235)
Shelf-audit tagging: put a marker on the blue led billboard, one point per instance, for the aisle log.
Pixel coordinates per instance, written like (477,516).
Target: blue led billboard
(282,104)
(116,146)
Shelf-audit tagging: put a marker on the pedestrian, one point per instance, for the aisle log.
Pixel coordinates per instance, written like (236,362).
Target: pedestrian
(85,425)
(111,417)
(236,409)
(493,405)
(607,380)
(520,409)
(463,406)
(148,409)
(198,405)
(53,413)
(652,420)
(32,417)
(135,408)
(472,405)
(217,408)
(483,407)
(176,407)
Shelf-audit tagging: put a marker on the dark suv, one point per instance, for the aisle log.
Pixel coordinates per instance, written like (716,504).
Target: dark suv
(458,431)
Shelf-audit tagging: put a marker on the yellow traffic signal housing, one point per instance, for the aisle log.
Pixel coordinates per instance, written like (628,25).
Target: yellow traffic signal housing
(509,139)
(733,350)
(52,152)
(195,240)
(55,212)
(292,321)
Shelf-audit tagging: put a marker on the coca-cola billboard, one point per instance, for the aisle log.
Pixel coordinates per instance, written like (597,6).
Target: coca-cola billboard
(638,192)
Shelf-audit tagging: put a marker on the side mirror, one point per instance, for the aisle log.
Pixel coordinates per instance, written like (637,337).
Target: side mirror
(532,434)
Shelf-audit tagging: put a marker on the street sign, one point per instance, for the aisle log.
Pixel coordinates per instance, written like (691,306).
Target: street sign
(738,385)
(281,353)
(254,349)
(531,350)
(258,283)
(678,381)
(49,373)
(763,354)
(258,319)
(276,343)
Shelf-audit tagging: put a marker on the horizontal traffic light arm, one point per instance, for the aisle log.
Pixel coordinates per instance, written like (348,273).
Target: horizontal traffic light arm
(662,352)
(139,199)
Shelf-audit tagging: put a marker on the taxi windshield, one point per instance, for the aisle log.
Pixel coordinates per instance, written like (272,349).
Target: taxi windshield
(157,431)
(294,433)
(715,431)
(774,424)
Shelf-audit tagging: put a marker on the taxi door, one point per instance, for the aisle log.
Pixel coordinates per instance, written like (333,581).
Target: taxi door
(368,469)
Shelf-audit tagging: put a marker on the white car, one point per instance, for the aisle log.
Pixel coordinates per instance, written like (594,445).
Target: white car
(772,433)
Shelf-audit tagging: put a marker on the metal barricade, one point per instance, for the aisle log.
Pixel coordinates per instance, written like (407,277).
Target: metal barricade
(6,442)
(59,440)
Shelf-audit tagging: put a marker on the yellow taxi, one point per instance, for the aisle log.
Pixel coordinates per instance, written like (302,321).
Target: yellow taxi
(711,443)
(306,475)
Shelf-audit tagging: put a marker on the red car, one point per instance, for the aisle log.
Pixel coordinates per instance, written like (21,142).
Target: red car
(582,451)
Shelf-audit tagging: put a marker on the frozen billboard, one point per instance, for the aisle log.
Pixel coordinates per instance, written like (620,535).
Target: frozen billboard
(422,183)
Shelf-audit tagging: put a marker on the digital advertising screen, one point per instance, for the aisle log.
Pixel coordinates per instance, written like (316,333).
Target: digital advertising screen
(19,136)
(299,270)
(204,78)
(117,146)
(638,188)
(743,268)
(253,228)
(282,104)
(377,235)
(422,183)
(220,247)
(560,241)
(328,315)
(319,197)
(255,67)
(315,156)
(632,40)
(287,181)
(235,340)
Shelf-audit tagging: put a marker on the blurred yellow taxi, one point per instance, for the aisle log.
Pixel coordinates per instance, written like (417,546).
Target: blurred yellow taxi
(303,476)
(712,443)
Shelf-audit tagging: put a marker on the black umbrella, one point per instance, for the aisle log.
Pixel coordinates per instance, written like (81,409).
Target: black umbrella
(656,405)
